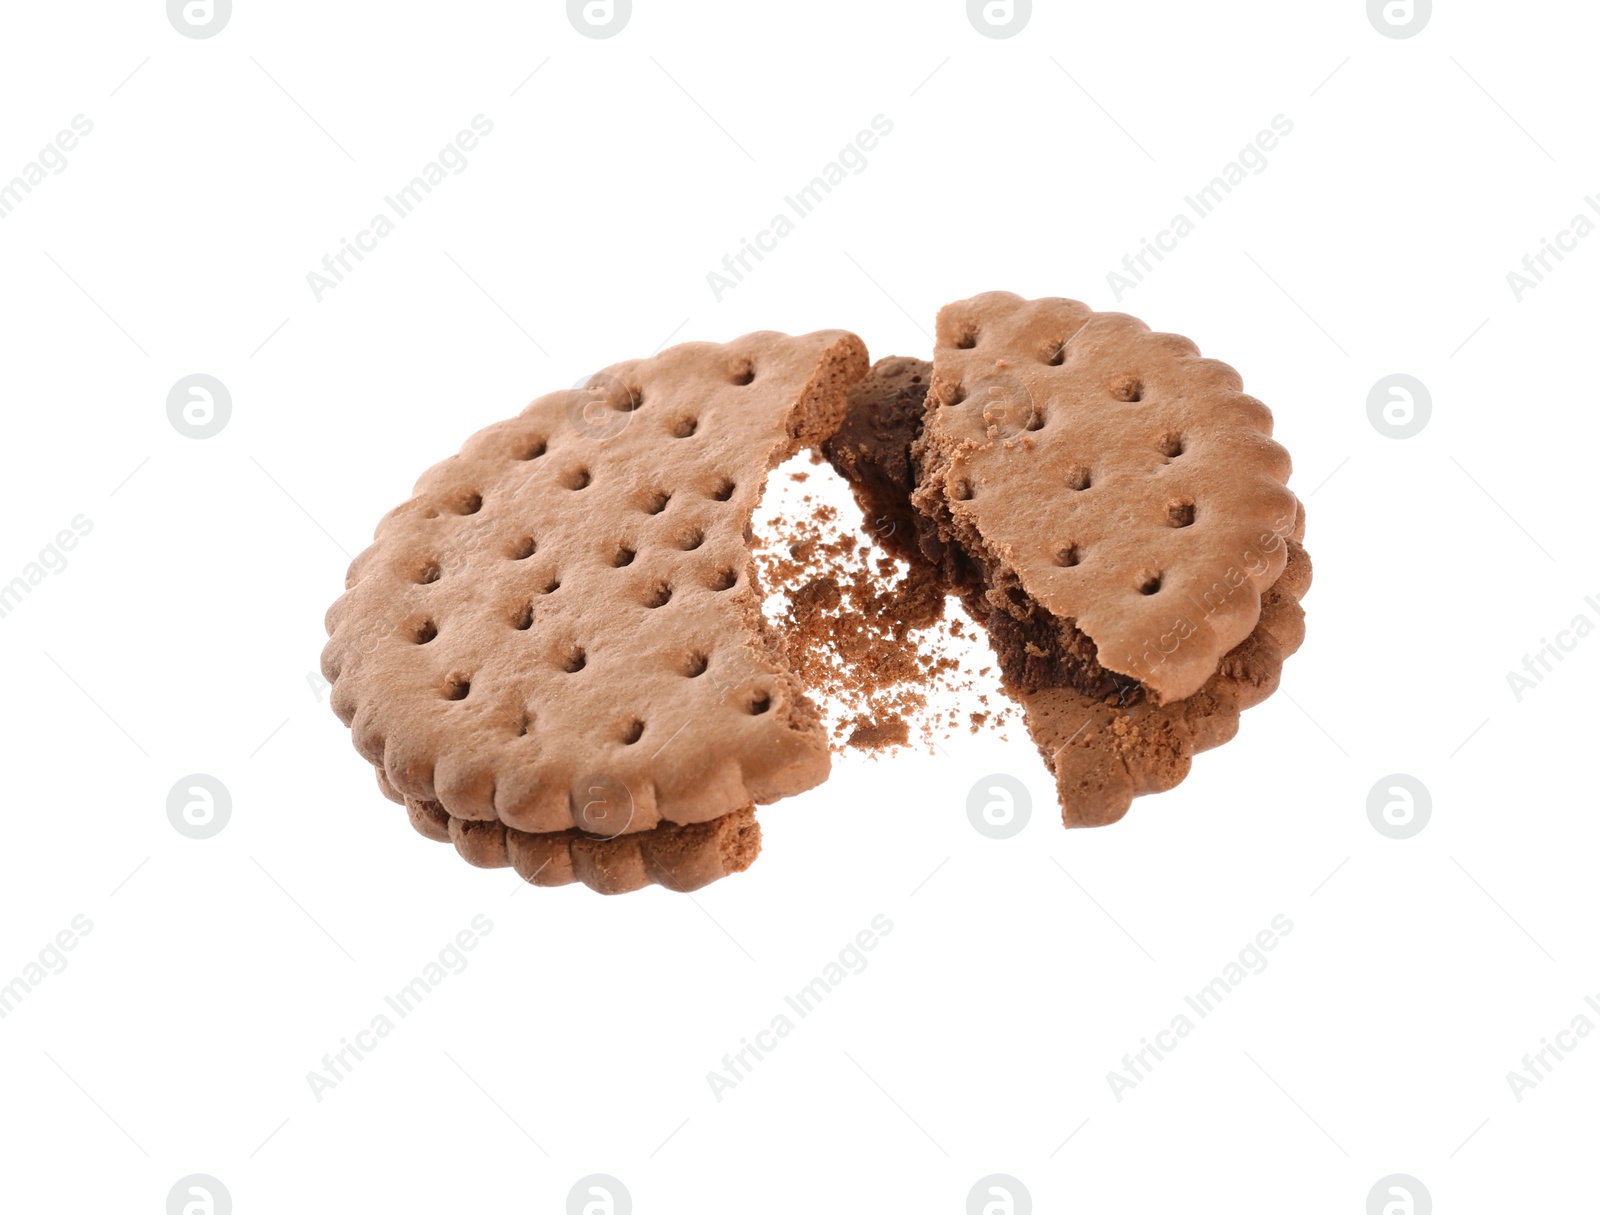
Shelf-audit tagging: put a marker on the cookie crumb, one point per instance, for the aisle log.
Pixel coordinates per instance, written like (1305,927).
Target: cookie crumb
(875,736)
(863,632)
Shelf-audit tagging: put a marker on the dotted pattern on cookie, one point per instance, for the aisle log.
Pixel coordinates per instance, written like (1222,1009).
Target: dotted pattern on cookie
(570,603)
(1126,481)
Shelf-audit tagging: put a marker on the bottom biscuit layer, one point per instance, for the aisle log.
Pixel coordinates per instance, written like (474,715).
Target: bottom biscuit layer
(680,858)
(1104,752)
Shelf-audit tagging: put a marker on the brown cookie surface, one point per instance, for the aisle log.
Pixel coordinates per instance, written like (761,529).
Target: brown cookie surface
(570,603)
(1108,480)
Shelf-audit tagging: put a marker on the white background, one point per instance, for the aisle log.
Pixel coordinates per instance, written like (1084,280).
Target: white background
(179,637)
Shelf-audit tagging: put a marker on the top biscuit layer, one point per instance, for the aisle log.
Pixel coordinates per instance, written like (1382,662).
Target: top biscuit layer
(562,626)
(1127,482)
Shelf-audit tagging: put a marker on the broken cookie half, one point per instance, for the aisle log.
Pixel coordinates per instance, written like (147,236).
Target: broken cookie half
(1111,508)
(554,653)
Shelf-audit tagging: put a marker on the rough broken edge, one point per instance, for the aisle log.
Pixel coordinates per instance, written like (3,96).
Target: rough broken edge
(1116,743)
